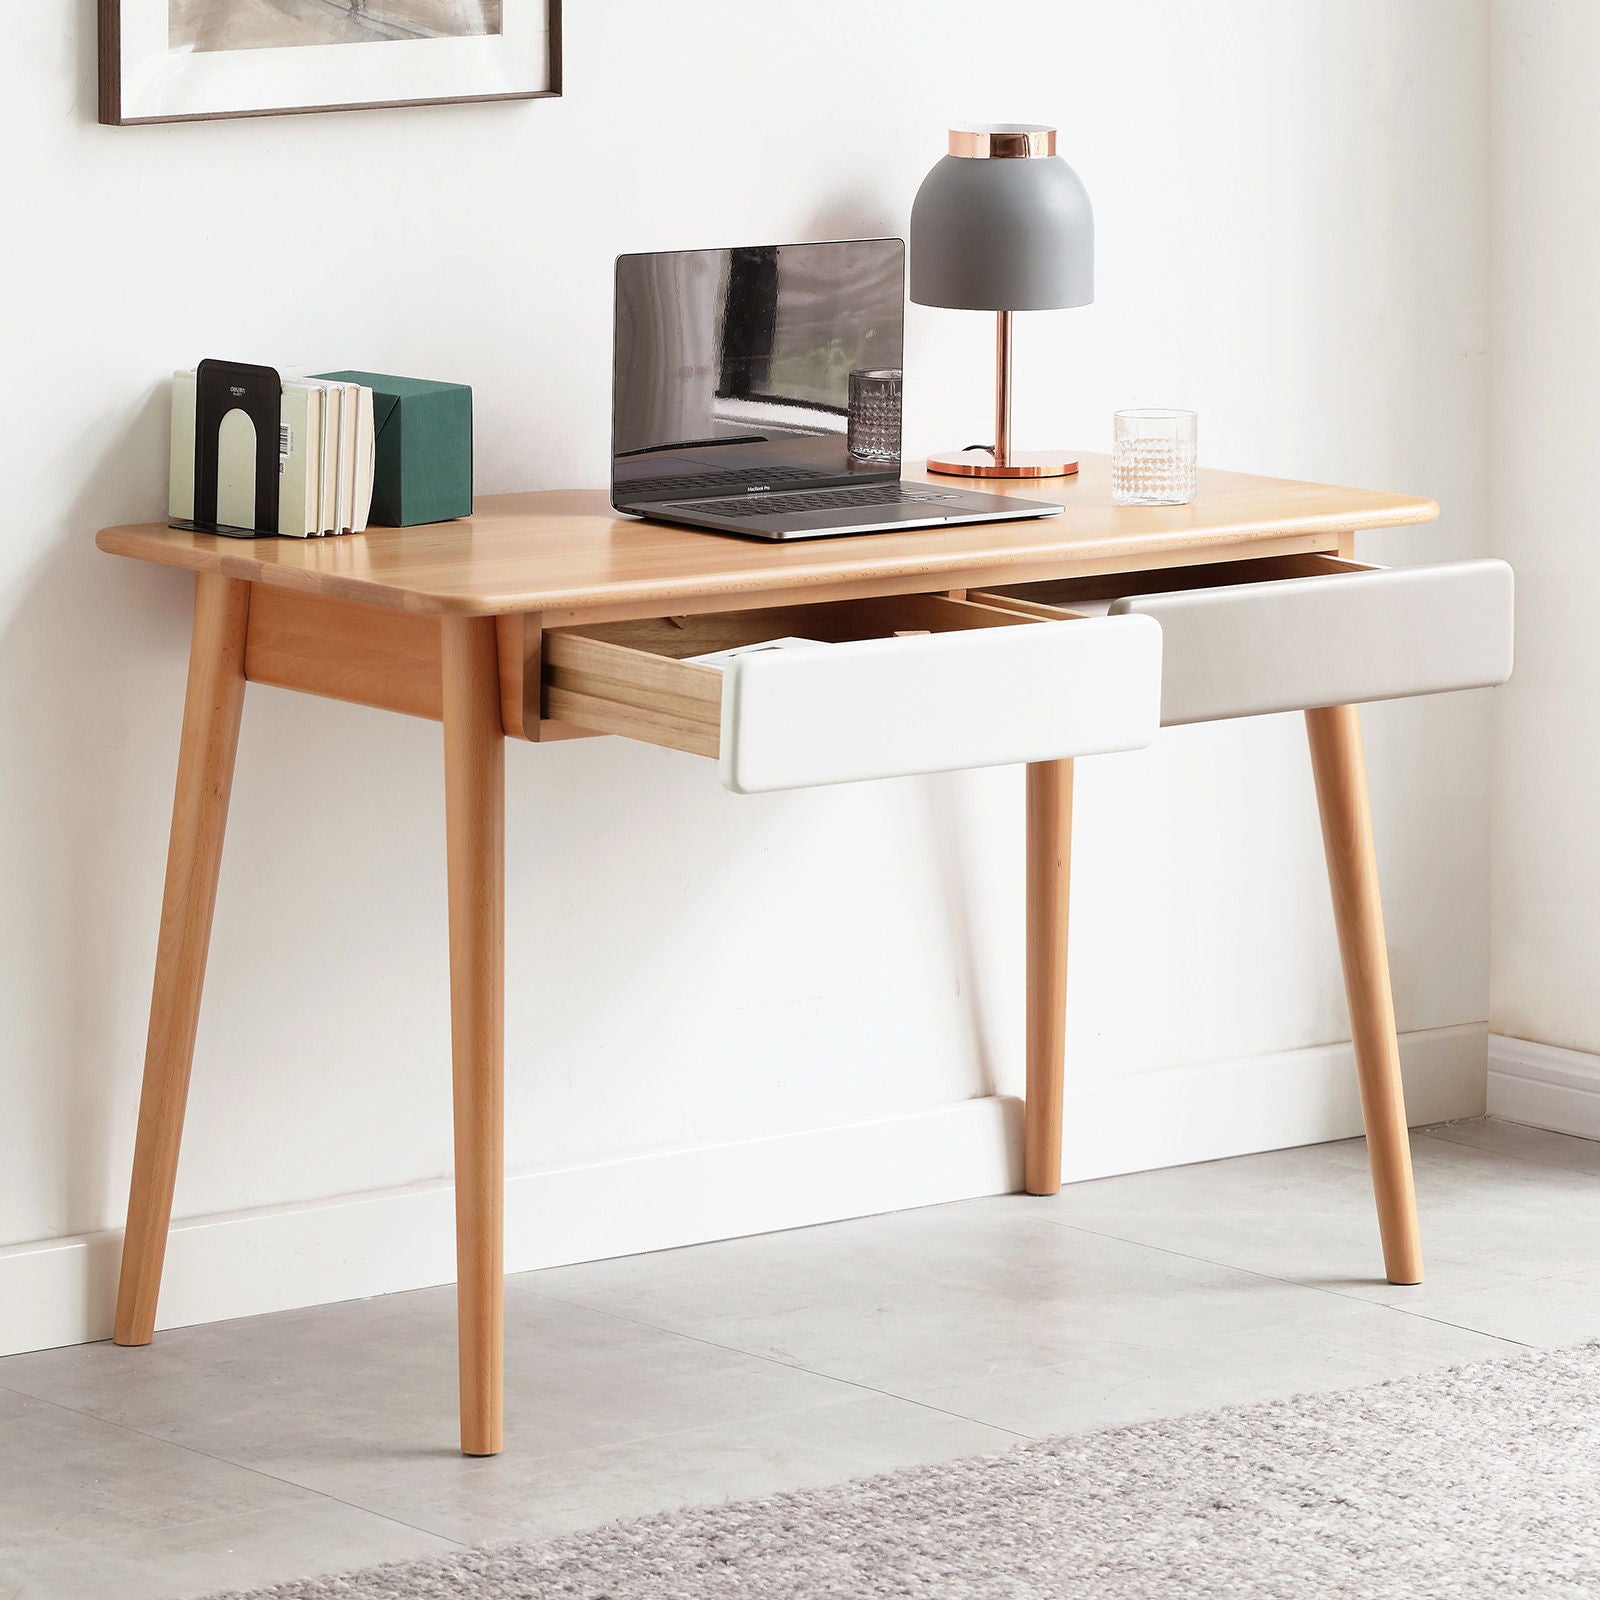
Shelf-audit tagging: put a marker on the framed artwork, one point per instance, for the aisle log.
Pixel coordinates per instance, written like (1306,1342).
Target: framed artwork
(187,60)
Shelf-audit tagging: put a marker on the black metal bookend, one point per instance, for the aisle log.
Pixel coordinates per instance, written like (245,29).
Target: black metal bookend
(222,387)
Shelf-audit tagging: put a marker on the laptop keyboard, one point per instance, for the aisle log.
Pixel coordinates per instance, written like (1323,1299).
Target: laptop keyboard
(710,482)
(784,505)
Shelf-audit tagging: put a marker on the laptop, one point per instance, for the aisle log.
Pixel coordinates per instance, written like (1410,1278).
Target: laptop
(731,396)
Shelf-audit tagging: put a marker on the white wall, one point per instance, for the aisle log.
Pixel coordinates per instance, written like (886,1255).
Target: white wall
(1546,318)
(1291,209)
(1546,268)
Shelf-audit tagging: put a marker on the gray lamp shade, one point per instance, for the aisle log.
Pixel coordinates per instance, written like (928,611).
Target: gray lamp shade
(1002,233)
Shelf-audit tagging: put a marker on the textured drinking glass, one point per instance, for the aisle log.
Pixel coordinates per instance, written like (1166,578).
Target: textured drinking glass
(874,419)
(1153,458)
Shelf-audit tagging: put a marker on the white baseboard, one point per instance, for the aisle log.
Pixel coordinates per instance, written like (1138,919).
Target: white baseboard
(244,1263)
(1272,1102)
(1544,1086)
(238,1264)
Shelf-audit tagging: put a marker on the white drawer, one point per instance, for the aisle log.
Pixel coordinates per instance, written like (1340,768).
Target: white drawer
(1291,632)
(905,684)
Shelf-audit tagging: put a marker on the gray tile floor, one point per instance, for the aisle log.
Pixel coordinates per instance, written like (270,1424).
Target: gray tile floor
(251,1452)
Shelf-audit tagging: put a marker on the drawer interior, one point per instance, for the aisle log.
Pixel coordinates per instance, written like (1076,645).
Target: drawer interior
(634,678)
(1091,595)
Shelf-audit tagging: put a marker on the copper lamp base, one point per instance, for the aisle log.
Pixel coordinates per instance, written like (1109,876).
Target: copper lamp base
(979,462)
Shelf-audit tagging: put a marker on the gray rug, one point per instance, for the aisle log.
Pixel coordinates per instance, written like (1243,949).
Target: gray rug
(1465,1485)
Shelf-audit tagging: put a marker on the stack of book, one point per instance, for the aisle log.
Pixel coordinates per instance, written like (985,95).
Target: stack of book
(255,455)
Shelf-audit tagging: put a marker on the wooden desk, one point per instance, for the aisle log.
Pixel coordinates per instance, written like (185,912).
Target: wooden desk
(454,621)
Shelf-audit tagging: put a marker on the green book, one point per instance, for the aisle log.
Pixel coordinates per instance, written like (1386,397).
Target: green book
(423,466)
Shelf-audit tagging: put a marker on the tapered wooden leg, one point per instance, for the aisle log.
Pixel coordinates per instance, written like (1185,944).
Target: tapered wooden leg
(474,783)
(1337,761)
(1049,872)
(211,711)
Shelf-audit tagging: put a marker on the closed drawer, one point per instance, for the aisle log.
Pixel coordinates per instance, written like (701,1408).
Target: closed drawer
(1291,632)
(900,685)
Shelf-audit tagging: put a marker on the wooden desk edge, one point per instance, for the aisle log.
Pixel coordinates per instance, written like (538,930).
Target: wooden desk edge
(854,566)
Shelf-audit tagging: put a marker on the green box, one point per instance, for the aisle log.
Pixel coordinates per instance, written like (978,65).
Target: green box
(423,471)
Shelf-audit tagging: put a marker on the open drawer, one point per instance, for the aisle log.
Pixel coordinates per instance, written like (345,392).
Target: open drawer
(898,685)
(1287,633)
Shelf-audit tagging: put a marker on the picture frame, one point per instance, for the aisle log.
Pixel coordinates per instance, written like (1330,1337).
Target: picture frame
(200,60)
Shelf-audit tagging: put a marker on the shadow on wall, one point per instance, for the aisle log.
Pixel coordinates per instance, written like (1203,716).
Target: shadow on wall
(852,214)
(75,655)
(950,828)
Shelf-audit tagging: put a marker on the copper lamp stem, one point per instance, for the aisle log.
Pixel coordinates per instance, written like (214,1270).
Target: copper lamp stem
(982,461)
(1002,389)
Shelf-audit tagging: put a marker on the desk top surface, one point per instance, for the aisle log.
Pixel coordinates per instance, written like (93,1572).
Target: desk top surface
(565,549)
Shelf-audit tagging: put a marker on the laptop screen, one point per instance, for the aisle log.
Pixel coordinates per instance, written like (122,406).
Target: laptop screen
(732,369)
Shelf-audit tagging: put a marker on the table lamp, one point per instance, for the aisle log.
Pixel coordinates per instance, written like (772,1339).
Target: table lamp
(1002,224)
